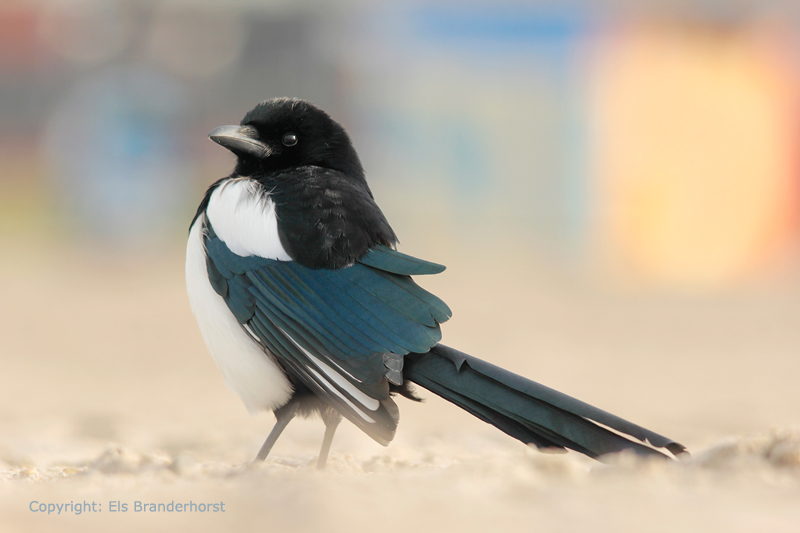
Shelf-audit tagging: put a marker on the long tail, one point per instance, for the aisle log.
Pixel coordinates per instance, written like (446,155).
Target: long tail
(526,410)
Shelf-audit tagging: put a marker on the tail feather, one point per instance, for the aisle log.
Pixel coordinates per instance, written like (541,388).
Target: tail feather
(526,410)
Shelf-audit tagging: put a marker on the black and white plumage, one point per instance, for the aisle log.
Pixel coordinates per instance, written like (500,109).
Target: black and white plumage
(306,306)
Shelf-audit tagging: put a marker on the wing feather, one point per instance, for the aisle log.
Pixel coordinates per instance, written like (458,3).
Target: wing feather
(384,258)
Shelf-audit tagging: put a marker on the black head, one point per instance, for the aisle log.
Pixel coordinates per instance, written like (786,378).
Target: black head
(285,133)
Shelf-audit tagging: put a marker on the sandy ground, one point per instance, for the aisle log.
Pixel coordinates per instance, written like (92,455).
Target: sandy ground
(108,395)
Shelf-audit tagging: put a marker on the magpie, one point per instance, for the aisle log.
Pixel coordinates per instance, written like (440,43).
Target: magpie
(308,308)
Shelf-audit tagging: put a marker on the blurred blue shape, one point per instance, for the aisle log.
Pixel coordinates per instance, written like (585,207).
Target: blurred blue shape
(484,104)
(468,161)
(503,25)
(116,158)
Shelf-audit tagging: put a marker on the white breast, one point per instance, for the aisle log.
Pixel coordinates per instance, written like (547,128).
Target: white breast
(247,224)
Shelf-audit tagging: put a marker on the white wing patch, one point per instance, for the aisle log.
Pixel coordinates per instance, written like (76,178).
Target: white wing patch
(244,218)
(332,389)
(370,403)
(248,371)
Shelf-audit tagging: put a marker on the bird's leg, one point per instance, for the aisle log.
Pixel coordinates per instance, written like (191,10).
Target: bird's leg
(284,416)
(331,419)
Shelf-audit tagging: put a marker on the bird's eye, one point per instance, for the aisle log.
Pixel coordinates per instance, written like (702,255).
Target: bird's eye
(290,139)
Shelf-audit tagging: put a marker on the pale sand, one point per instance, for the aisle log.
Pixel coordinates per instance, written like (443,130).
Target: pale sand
(108,394)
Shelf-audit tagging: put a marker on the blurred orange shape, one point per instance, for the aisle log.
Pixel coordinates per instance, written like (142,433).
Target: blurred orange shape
(695,142)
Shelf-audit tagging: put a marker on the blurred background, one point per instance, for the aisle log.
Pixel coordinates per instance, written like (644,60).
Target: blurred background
(652,143)
(613,184)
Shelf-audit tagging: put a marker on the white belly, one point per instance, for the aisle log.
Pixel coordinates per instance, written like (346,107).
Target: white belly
(248,370)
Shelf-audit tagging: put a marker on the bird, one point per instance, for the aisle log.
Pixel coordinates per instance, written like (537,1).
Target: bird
(309,309)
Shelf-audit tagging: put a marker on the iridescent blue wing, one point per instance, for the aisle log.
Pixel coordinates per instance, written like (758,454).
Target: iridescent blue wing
(339,332)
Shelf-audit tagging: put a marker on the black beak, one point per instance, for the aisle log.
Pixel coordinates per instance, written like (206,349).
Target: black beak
(240,140)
